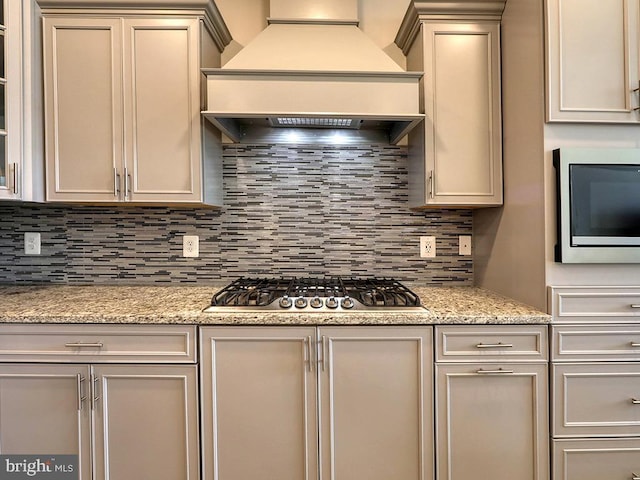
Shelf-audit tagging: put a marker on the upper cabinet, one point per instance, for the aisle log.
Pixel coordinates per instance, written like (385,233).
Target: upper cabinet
(593,61)
(122,103)
(455,159)
(21,171)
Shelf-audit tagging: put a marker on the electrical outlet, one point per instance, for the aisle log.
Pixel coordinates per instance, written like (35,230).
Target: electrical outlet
(428,247)
(190,246)
(464,245)
(32,243)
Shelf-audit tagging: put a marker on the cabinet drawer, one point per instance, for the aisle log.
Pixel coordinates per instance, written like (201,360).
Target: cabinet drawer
(98,343)
(462,343)
(596,459)
(596,343)
(596,400)
(595,304)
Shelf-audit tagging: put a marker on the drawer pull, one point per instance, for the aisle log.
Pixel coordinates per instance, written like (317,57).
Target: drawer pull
(84,345)
(635,401)
(634,477)
(635,344)
(494,345)
(635,305)
(499,371)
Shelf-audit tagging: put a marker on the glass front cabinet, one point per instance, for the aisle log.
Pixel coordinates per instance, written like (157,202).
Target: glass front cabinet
(20,171)
(3,99)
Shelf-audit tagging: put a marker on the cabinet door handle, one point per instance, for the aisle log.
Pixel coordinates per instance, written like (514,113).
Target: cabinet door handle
(116,183)
(14,170)
(322,348)
(94,391)
(307,353)
(127,183)
(635,344)
(431,184)
(84,345)
(81,397)
(494,345)
(635,401)
(634,305)
(499,371)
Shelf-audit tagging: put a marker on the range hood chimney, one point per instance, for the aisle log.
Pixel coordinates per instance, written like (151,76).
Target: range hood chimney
(310,76)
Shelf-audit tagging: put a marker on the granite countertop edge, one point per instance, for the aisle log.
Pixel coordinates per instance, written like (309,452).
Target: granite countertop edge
(183,305)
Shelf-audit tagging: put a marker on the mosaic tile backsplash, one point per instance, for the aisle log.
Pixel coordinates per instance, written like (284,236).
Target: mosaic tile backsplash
(289,210)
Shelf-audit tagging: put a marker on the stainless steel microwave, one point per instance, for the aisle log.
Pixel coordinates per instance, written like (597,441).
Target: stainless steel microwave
(598,205)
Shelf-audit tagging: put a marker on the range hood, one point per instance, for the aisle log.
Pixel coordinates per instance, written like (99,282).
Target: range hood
(312,74)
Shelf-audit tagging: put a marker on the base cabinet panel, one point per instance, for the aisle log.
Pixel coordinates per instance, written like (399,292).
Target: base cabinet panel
(259,404)
(146,424)
(492,422)
(124,421)
(41,412)
(592,459)
(376,407)
(294,403)
(596,400)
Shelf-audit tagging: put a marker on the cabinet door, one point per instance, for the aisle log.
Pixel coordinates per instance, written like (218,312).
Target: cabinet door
(376,403)
(596,400)
(259,403)
(492,422)
(463,143)
(83,108)
(162,111)
(596,459)
(146,422)
(44,410)
(10,100)
(593,61)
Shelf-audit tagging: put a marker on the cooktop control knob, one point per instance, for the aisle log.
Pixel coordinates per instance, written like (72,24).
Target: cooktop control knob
(331,302)
(347,303)
(285,302)
(300,302)
(316,302)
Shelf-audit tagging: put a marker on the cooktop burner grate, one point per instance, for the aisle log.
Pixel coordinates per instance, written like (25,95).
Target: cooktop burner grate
(315,294)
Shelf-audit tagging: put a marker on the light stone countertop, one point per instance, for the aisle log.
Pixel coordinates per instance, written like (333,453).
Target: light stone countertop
(184,305)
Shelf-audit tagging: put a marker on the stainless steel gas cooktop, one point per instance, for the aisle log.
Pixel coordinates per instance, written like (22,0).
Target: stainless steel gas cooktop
(331,294)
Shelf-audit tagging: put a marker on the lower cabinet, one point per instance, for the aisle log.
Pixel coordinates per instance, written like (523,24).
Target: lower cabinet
(124,398)
(124,421)
(492,422)
(292,403)
(491,402)
(595,383)
(596,459)
(42,411)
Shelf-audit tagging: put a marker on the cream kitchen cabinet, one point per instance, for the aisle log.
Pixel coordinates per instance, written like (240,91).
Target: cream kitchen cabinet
(302,403)
(21,169)
(455,158)
(593,61)
(492,412)
(597,459)
(122,106)
(42,412)
(121,419)
(595,384)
